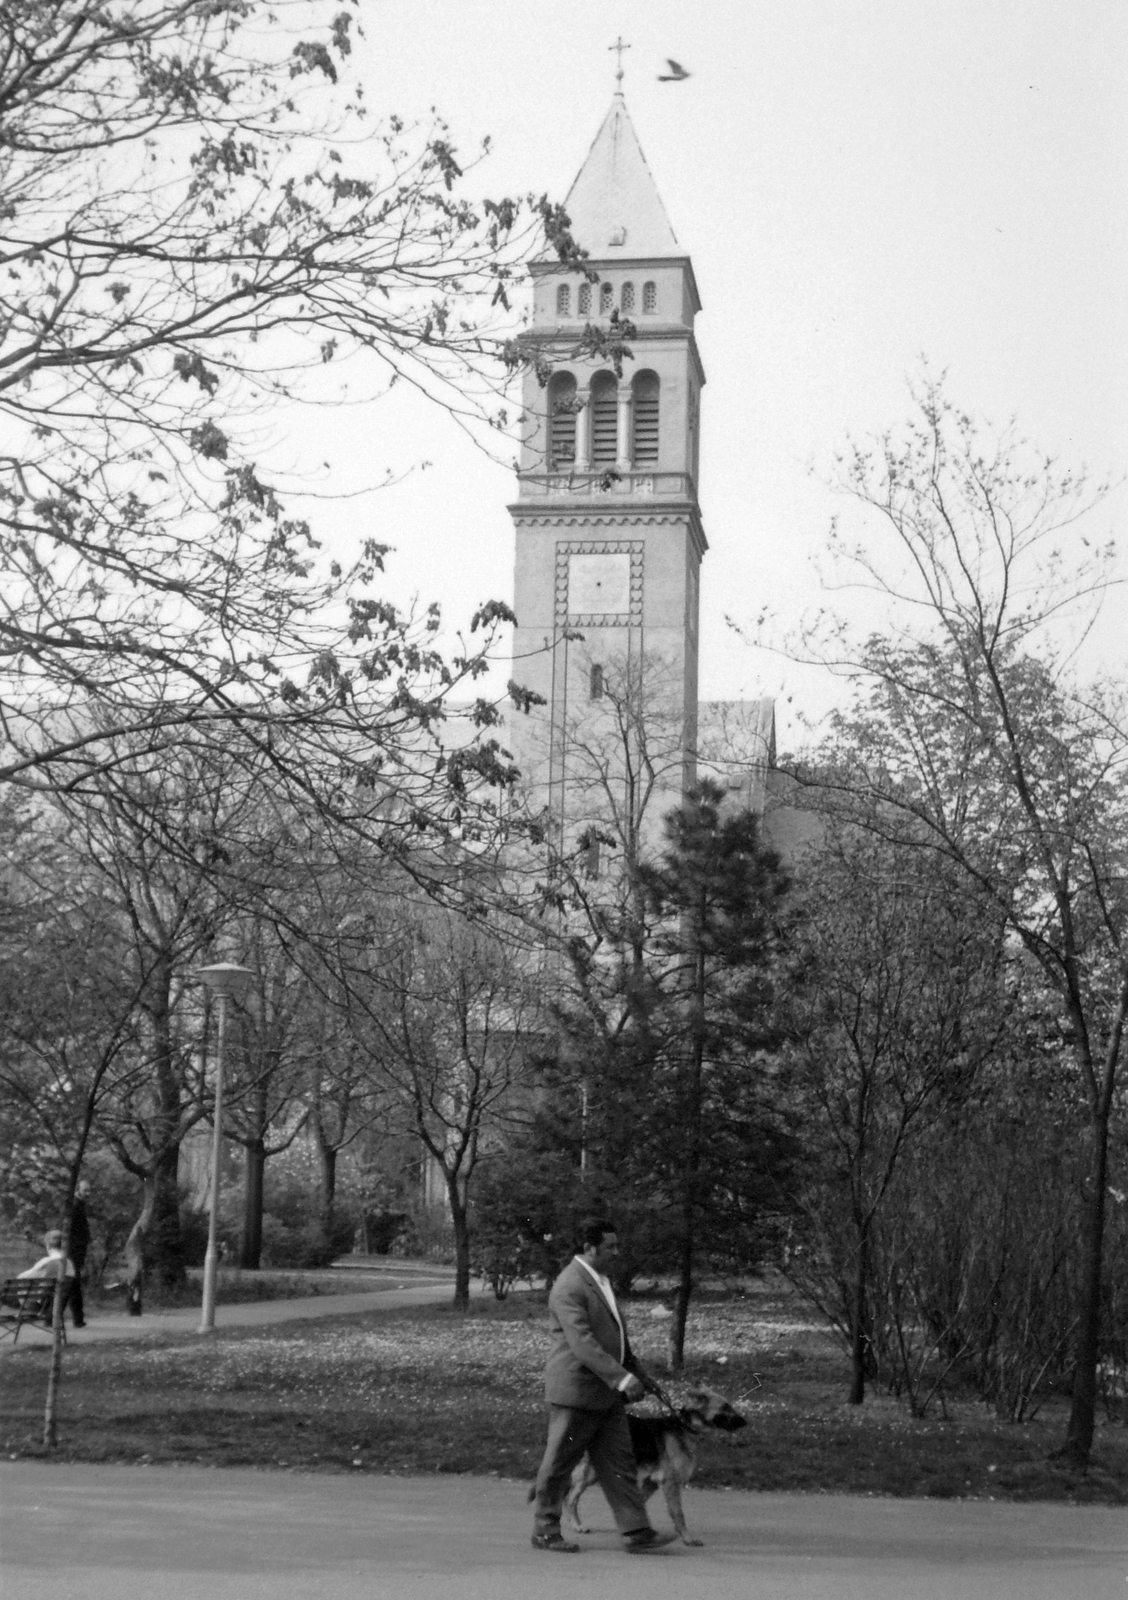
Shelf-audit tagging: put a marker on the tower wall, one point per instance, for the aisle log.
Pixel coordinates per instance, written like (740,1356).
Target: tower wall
(609,538)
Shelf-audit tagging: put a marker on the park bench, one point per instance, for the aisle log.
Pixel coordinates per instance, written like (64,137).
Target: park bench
(26,1300)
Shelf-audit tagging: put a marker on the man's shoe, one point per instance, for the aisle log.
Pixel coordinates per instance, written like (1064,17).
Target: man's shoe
(647,1539)
(554,1541)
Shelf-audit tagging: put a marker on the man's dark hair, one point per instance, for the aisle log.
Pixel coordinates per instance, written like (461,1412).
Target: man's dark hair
(593,1230)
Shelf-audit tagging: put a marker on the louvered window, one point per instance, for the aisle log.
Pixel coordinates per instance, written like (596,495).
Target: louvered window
(562,421)
(645,442)
(650,297)
(626,299)
(606,298)
(596,683)
(563,300)
(584,306)
(604,420)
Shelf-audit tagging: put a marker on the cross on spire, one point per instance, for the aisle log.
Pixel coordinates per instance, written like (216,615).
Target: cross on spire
(619,47)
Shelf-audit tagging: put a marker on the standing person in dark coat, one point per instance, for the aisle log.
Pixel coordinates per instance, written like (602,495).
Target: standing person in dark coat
(590,1376)
(79,1245)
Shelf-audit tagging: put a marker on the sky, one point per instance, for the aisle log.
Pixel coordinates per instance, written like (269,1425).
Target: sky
(861,184)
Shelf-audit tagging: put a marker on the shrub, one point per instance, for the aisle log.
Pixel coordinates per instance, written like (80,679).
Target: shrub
(526,1206)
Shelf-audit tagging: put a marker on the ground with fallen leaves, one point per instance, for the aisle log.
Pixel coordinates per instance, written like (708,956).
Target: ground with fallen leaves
(429,1390)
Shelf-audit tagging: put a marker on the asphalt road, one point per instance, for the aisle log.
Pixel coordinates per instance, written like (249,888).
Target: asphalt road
(190,1533)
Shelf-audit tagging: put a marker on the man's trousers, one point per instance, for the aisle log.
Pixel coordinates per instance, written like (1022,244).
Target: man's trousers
(606,1438)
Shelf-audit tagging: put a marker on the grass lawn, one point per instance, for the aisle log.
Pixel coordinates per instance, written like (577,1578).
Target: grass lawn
(427,1390)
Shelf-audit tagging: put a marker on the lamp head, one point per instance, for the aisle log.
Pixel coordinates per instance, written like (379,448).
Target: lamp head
(225,978)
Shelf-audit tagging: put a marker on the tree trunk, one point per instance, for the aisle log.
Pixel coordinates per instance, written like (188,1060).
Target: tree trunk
(166,1247)
(692,1158)
(859,1334)
(459,1219)
(327,1190)
(687,1243)
(250,1245)
(135,1247)
(1082,1416)
(55,1370)
(685,1287)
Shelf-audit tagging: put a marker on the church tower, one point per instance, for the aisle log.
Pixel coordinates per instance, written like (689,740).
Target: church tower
(609,538)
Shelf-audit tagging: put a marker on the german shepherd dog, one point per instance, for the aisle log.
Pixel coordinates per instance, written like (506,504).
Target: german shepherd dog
(666,1452)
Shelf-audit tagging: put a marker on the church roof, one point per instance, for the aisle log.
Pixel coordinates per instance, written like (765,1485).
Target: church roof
(614,203)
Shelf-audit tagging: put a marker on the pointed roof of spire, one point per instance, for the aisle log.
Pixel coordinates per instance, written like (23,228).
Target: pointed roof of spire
(614,203)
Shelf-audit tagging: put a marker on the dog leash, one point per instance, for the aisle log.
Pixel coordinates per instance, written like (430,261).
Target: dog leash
(656,1389)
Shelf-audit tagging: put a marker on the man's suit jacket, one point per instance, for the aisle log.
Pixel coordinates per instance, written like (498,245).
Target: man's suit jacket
(584,1369)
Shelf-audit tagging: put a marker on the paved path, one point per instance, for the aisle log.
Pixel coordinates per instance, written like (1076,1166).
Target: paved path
(190,1533)
(411,1288)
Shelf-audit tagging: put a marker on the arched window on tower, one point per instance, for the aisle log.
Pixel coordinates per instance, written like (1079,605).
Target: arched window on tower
(626,298)
(584,307)
(563,300)
(606,298)
(604,420)
(644,445)
(595,683)
(562,413)
(650,296)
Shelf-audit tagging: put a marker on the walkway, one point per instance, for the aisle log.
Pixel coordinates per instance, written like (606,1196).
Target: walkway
(190,1533)
(404,1284)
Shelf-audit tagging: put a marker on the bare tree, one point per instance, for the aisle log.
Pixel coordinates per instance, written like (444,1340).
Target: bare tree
(978,739)
(451,1013)
(903,999)
(345,1098)
(69,1036)
(264,1108)
(157,843)
(200,220)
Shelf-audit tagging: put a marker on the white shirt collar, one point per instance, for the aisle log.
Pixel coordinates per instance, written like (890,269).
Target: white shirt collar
(604,1284)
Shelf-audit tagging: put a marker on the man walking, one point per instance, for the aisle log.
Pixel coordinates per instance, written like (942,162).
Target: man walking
(590,1376)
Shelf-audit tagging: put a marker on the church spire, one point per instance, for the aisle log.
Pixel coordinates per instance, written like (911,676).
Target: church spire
(614,204)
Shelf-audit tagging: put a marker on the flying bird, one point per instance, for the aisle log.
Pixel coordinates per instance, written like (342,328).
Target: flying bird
(676,73)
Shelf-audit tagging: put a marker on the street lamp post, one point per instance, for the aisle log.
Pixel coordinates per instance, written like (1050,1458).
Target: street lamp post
(224,980)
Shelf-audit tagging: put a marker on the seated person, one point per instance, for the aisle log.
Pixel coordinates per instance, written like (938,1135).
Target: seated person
(53,1265)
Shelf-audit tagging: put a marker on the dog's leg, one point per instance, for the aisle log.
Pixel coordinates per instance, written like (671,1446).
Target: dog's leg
(671,1488)
(582,1479)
